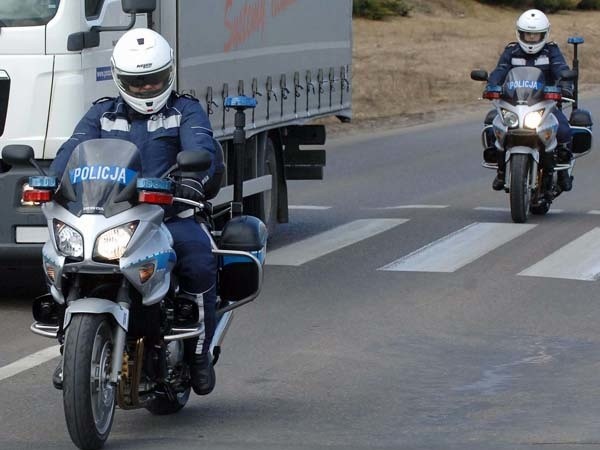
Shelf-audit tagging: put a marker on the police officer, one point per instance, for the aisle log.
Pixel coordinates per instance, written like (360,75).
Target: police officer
(534,49)
(161,123)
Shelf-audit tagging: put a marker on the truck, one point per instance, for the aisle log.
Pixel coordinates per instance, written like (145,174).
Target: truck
(293,56)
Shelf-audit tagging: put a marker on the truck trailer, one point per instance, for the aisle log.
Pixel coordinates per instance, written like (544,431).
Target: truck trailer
(292,56)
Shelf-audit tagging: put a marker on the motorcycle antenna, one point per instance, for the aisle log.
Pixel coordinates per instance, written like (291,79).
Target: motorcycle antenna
(240,104)
(575,41)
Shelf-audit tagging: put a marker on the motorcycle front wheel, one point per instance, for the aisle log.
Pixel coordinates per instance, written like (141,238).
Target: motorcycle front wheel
(88,396)
(520,187)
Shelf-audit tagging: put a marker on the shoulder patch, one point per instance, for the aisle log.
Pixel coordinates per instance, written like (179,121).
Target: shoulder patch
(102,100)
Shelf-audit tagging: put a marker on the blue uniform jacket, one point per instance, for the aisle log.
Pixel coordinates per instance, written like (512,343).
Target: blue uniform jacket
(181,124)
(549,59)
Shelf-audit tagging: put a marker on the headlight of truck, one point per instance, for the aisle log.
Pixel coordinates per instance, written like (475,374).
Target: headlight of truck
(533,119)
(68,241)
(509,118)
(111,244)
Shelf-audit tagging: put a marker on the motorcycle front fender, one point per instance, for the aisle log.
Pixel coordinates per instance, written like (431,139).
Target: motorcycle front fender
(522,150)
(97,306)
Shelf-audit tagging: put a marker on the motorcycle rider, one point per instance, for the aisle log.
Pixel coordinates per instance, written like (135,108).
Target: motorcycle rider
(534,49)
(161,122)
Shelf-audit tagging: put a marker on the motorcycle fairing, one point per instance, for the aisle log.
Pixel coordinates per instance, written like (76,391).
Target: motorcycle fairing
(100,178)
(524,86)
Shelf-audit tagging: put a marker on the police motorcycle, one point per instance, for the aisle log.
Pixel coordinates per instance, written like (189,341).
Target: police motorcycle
(522,130)
(114,302)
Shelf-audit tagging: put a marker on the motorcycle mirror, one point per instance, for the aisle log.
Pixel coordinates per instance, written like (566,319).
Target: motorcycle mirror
(194,160)
(568,75)
(17,155)
(479,75)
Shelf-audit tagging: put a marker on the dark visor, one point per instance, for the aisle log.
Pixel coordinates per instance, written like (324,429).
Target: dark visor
(145,79)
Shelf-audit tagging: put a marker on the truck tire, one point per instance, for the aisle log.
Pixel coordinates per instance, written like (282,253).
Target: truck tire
(264,205)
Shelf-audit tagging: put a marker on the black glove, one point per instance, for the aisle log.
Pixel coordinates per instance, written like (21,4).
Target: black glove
(191,189)
(566,92)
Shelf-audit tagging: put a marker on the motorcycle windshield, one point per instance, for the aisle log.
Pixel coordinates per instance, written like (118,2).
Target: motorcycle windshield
(524,86)
(100,178)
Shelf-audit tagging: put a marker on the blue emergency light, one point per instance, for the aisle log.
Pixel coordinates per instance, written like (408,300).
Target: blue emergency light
(43,182)
(240,102)
(154,184)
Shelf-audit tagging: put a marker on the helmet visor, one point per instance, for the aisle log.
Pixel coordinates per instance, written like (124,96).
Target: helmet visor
(532,38)
(146,85)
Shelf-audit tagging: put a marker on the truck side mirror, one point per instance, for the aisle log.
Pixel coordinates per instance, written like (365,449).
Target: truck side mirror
(138,6)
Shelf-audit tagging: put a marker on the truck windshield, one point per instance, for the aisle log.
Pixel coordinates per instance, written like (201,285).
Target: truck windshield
(26,13)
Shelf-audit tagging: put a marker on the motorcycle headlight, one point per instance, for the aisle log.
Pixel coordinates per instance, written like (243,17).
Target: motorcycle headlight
(533,119)
(509,118)
(111,244)
(68,241)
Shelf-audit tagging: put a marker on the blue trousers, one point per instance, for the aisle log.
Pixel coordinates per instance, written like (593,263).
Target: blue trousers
(563,134)
(197,271)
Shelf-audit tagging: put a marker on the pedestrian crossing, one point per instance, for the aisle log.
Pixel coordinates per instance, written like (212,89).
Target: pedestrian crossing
(577,259)
(458,249)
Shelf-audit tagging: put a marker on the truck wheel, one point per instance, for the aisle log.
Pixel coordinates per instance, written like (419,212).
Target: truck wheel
(264,205)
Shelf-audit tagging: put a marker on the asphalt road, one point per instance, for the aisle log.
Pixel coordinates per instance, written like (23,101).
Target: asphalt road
(401,309)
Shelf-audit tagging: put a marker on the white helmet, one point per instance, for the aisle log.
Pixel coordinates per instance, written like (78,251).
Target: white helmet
(143,69)
(533,29)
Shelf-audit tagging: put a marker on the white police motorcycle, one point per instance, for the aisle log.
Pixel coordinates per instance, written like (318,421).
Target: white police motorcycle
(522,131)
(114,301)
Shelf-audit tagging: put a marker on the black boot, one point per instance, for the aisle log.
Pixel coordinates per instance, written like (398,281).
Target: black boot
(565,181)
(57,376)
(203,374)
(498,183)
(564,155)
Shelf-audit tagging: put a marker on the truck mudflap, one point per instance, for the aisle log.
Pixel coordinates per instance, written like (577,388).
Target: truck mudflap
(304,164)
(23,229)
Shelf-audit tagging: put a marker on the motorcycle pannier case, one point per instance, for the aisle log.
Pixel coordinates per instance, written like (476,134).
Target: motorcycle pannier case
(581,128)
(239,274)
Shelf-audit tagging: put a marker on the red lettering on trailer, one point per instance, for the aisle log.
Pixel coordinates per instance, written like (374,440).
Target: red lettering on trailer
(250,20)
(278,6)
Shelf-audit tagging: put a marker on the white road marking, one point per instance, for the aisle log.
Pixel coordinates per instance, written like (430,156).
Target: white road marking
(458,249)
(594,211)
(29,361)
(314,247)
(383,208)
(309,207)
(491,208)
(494,208)
(578,260)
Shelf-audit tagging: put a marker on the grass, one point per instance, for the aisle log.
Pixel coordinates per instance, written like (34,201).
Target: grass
(410,66)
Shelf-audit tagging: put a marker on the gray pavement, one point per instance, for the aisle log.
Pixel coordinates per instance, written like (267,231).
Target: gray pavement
(338,354)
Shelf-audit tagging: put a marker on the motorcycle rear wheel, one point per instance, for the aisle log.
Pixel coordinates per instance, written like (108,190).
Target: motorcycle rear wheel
(88,396)
(520,187)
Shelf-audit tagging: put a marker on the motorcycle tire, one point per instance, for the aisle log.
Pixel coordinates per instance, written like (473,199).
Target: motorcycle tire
(520,187)
(161,405)
(89,403)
